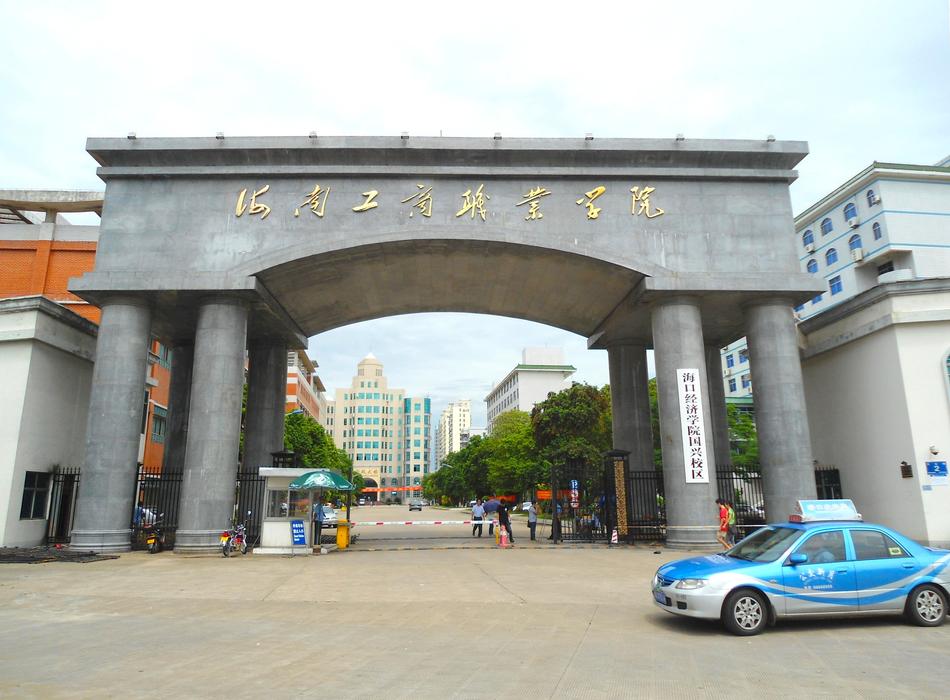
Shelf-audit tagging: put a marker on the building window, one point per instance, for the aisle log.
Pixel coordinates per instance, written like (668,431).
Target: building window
(732,385)
(799,308)
(159,424)
(816,300)
(831,257)
(746,381)
(826,227)
(808,237)
(872,198)
(35,492)
(850,211)
(885,267)
(743,355)
(730,360)
(854,242)
(876,228)
(812,266)
(834,284)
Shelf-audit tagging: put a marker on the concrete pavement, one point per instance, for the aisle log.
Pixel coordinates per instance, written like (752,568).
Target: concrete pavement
(467,623)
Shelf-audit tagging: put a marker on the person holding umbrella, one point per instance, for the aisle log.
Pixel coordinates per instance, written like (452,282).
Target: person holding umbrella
(491,506)
(505,521)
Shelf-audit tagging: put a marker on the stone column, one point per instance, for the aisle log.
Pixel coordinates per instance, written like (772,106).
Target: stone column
(718,418)
(630,403)
(266,402)
(179,399)
(692,519)
(105,501)
(780,417)
(214,424)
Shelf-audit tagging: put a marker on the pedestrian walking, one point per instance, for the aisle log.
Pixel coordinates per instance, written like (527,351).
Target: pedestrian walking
(318,522)
(478,514)
(722,535)
(532,519)
(733,530)
(505,521)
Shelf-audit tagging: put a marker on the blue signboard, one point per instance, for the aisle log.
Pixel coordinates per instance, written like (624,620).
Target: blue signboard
(298,533)
(938,469)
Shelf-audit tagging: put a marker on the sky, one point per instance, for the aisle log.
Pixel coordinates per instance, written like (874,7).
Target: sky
(860,81)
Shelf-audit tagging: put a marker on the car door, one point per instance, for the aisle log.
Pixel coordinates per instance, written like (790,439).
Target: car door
(883,569)
(825,583)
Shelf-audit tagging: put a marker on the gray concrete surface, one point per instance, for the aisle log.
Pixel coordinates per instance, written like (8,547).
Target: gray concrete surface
(678,341)
(214,424)
(266,403)
(630,403)
(472,623)
(781,418)
(104,505)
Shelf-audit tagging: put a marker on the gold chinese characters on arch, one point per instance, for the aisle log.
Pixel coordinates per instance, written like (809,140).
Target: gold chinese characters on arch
(474,202)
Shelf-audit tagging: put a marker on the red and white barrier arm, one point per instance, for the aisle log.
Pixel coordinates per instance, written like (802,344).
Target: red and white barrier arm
(426,522)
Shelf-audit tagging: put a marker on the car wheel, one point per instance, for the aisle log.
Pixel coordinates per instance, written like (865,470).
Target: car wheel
(927,606)
(745,612)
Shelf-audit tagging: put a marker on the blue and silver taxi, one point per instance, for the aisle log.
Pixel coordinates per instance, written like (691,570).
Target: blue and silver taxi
(826,561)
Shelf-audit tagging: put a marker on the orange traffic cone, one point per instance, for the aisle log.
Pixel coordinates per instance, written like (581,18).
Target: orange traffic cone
(503,535)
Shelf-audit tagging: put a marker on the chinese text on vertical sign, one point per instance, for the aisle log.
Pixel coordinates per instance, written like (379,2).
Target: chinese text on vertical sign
(694,431)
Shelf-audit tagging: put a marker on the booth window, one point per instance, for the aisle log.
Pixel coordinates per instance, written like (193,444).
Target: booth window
(35,492)
(282,503)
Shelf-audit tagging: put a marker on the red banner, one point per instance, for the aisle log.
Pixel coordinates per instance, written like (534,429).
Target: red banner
(391,488)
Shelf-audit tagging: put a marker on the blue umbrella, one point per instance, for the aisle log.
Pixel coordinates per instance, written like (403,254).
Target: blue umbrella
(492,506)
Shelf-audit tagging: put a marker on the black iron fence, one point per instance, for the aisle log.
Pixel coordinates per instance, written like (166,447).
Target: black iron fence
(160,493)
(62,504)
(741,485)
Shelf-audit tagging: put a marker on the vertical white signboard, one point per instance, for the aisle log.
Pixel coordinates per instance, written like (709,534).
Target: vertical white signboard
(694,430)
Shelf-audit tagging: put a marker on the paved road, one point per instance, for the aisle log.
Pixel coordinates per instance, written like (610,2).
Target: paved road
(465,623)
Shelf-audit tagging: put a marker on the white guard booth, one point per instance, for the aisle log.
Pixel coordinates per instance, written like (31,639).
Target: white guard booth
(281,507)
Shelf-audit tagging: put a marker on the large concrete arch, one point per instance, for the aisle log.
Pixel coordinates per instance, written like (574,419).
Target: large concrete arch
(680,245)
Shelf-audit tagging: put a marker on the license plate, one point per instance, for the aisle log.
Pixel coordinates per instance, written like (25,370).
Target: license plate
(660,597)
(150,540)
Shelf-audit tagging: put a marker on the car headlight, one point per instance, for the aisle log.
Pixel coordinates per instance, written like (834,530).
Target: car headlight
(690,584)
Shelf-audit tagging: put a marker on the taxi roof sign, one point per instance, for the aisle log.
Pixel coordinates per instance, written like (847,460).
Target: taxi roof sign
(830,509)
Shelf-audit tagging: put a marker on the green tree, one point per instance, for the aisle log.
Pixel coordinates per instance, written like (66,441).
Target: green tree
(573,425)
(655,425)
(743,439)
(511,454)
(312,445)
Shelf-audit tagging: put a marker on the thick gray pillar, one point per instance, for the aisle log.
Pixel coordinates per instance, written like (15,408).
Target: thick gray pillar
(780,417)
(179,398)
(691,514)
(214,425)
(630,403)
(105,501)
(718,418)
(266,402)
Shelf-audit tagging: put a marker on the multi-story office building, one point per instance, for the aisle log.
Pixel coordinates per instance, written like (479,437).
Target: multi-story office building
(542,371)
(417,435)
(455,420)
(385,433)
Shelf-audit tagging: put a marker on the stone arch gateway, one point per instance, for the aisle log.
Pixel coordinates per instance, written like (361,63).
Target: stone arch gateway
(247,246)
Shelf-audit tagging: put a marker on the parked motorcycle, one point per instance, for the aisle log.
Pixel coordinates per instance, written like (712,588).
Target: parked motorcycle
(235,538)
(154,535)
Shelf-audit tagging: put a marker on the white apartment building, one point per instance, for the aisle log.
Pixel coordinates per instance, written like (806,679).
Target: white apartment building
(542,371)
(876,344)
(887,223)
(455,420)
(385,433)
(467,435)
(305,390)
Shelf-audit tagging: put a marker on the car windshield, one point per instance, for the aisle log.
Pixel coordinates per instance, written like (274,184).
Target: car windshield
(766,544)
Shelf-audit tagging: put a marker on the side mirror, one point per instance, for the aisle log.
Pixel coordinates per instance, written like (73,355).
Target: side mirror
(796,559)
